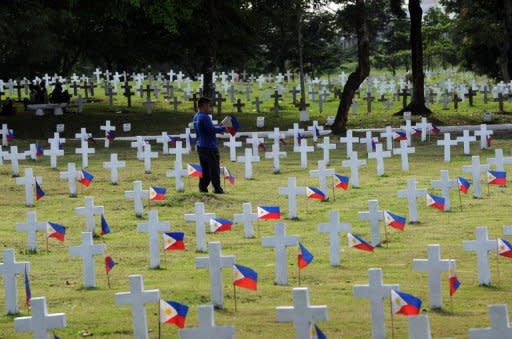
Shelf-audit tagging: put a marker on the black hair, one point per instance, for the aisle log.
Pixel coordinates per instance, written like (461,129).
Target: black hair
(203,100)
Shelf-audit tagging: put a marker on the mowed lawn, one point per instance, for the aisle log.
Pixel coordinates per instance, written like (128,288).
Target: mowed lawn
(58,276)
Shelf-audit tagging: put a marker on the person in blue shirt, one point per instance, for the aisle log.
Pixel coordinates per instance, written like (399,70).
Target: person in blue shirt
(207,147)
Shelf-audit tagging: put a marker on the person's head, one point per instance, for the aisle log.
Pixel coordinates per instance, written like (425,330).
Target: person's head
(204,104)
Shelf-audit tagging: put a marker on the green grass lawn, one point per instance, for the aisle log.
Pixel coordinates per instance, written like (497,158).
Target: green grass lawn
(58,276)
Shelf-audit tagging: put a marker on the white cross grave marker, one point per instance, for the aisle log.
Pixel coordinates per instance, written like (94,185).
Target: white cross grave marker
(447,143)
(354,163)
(14,156)
(107,128)
(408,131)
(445,183)
(292,191)
(482,245)
(326,146)
(334,228)
(373,216)
(476,169)
(377,292)
(500,327)
(499,161)
(114,165)
(138,298)
(29,181)
(434,266)
(178,173)
(379,155)
(233,144)
(40,322)
(200,218)
(137,195)
(32,226)
(215,262)
(207,327)
(419,327)
(89,211)
(138,144)
(247,218)
(154,227)
(9,269)
(178,151)
(322,173)
(87,250)
(302,314)
(483,133)
(466,140)
(369,141)
(84,150)
(275,155)
(248,159)
(304,149)
(255,142)
(411,193)
(349,140)
(388,135)
(148,155)
(73,176)
(279,242)
(404,152)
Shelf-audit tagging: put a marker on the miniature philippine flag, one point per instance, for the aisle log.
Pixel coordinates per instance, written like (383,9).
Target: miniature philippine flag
(504,248)
(245,277)
(399,135)
(231,124)
(403,303)
(316,333)
(174,241)
(416,132)
(355,241)
(171,140)
(269,212)
(341,181)
(220,225)
(453,282)
(85,178)
(229,176)
(39,150)
(489,141)
(435,201)
(435,129)
(172,312)
(109,263)
(28,293)
(39,191)
(305,257)
(110,136)
(157,193)
(463,184)
(194,170)
(105,228)
(10,135)
(261,147)
(394,220)
(299,138)
(315,193)
(497,178)
(55,231)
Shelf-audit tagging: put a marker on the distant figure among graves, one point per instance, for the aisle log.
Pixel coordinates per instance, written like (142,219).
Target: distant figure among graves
(207,147)
(59,96)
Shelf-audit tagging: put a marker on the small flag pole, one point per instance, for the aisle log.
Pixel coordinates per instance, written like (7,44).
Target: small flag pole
(159,324)
(298,272)
(386,234)
(47,244)
(392,319)
(333,189)
(108,279)
(488,189)
(149,198)
(460,200)
(497,264)
(234,294)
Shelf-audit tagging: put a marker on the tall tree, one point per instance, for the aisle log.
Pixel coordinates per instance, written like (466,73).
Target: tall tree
(362,70)
(417,105)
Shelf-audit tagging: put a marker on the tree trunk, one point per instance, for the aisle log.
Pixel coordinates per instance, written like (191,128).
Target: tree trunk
(210,53)
(361,72)
(505,50)
(417,104)
(302,105)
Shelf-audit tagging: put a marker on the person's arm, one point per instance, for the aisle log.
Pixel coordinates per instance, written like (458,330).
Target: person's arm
(210,128)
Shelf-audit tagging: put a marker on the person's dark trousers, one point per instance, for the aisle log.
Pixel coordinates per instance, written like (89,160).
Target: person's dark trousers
(210,163)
